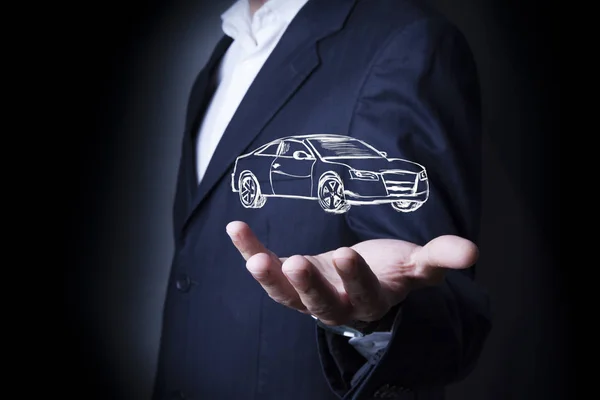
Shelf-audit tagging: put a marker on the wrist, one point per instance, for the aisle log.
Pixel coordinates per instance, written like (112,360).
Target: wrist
(358,328)
(366,327)
(384,324)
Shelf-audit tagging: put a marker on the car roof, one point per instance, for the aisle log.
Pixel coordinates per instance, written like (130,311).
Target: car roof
(318,136)
(305,137)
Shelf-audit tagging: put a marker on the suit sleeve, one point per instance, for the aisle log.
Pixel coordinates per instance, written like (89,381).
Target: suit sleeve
(420,102)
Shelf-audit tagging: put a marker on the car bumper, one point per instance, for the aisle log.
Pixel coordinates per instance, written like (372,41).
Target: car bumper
(355,198)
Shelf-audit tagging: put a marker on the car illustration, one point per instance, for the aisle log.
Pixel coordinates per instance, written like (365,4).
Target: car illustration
(336,170)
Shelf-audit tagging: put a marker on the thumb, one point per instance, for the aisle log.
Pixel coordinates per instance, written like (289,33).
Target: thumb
(448,251)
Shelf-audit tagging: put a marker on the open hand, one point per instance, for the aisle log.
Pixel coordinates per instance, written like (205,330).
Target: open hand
(361,282)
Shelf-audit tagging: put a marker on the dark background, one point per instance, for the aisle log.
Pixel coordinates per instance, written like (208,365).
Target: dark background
(131,78)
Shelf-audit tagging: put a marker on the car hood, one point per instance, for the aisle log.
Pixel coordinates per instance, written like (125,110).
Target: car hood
(379,164)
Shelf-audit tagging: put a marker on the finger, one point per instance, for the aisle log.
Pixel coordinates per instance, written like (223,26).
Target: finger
(245,240)
(319,296)
(264,266)
(268,273)
(448,251)
(360,283)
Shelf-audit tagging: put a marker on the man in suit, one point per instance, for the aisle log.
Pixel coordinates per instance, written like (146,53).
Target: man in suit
(327,208)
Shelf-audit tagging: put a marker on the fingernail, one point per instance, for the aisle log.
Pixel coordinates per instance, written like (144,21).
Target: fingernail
(299,279)
(258,274)
(345,266)
(294,277)
(234,237)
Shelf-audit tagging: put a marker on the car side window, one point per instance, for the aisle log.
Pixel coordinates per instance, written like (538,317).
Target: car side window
(270,150)
(290,146)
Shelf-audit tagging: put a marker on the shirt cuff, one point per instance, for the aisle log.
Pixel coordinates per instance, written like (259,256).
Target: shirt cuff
(370,344)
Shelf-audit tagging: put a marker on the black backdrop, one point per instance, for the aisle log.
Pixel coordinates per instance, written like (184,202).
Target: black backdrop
(134,64)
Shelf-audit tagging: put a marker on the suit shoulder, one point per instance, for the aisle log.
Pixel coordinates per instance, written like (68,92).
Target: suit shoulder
(391,16)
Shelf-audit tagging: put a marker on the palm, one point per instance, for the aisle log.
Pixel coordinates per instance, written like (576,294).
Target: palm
(361,282)
(389,260)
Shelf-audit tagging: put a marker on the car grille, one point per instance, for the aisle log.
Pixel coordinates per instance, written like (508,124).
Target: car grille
(399,182)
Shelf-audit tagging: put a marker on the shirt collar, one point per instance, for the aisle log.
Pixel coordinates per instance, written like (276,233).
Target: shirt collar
(236,20)
(284,9)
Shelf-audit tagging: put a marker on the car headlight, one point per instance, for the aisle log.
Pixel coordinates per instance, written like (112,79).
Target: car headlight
(422,175)
(363,175)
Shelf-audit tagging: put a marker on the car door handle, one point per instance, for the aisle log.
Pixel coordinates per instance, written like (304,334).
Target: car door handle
(275,166)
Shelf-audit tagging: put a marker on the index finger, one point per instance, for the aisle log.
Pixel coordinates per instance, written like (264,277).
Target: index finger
(245,240)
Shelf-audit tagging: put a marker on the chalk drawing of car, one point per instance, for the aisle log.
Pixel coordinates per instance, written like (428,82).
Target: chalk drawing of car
(336,170)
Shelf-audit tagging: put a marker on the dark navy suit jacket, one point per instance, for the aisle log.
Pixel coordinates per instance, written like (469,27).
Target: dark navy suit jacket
(401,79)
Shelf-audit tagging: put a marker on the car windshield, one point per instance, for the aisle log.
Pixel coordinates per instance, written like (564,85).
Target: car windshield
(344,148)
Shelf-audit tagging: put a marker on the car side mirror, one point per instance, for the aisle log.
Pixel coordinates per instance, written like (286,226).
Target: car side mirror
(301,155)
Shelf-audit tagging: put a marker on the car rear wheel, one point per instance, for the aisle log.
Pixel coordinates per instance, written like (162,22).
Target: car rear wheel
(331,193)
(249,190)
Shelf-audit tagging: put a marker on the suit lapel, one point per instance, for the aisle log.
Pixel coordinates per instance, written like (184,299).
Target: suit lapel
(290,63)
(200,95)
(203,90)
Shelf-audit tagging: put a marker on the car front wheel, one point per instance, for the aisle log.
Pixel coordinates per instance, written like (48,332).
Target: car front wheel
(331,193)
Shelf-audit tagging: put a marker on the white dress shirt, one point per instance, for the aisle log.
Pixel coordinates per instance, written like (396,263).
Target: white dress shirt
(254,38)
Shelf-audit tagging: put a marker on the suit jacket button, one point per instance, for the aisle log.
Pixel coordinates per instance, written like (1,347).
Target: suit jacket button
(183,283)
